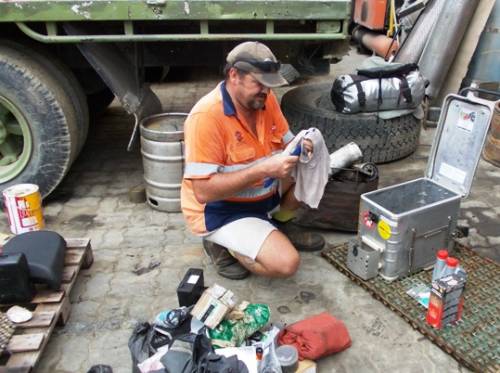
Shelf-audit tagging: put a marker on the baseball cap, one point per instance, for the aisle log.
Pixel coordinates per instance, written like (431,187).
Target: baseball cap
(258,60)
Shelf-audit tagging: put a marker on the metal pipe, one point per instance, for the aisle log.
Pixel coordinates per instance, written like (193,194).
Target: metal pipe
(479,90)
(444,41)
(345,156)
(173,37)
(380,44)
(484,64)
(414,44)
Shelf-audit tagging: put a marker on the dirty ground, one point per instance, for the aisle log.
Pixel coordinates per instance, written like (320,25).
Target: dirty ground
(141,255)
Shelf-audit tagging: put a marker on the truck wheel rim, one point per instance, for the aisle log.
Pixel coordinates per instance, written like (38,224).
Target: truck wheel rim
(15,141)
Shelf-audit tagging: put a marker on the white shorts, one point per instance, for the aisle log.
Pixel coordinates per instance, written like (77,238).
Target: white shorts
(243,236)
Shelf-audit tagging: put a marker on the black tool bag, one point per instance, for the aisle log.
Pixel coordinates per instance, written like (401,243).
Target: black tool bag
(339,207)
(392,87)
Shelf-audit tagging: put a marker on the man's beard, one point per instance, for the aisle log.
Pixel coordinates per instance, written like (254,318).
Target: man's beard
(257,104)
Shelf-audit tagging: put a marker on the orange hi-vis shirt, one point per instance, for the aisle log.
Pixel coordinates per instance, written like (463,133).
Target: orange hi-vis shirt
(217,140)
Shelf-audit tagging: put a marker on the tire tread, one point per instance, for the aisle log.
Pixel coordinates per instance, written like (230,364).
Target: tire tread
(381,140)
(25,83)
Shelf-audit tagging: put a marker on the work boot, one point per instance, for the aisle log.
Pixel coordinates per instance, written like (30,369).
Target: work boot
(225,264)
(301,239)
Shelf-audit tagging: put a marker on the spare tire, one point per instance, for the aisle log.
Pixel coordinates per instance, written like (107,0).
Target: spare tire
(381,140)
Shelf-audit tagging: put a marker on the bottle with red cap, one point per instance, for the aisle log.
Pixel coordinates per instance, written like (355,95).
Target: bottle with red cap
(451,266)
(440,264)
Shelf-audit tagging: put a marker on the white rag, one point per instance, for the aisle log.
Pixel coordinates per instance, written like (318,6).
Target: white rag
(311,172)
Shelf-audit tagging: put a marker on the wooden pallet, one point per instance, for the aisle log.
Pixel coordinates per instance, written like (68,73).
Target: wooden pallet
(50,308)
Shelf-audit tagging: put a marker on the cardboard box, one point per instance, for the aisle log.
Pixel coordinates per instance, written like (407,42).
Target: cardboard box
(446,300)
(214,304)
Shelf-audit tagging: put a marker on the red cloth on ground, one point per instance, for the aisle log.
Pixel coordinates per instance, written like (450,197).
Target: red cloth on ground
(317,336)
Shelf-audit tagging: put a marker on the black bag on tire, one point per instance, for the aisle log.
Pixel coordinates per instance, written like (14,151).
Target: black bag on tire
(392,87)
(339,207)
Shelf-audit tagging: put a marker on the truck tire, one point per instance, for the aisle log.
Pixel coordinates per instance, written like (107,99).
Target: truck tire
(381,140)
(38,121)
(65,77)
(72,87)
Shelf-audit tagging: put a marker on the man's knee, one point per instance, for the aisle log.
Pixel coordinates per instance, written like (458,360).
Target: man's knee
(287,265)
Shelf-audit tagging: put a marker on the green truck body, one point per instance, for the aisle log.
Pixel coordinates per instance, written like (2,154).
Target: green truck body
(328,18)
(75,56)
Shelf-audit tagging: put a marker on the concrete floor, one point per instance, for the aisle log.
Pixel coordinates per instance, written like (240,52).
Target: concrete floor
(110,298)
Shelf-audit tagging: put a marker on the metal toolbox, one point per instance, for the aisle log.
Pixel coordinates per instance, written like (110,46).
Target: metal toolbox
(402,226)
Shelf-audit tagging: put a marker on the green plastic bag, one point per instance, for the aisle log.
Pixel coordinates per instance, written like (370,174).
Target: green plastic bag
(233,332)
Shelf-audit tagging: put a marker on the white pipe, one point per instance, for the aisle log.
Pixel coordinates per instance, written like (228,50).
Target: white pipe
(345,156)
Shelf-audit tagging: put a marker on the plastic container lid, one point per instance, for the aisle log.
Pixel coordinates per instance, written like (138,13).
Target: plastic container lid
(452,262)
(442,254)
(287,355)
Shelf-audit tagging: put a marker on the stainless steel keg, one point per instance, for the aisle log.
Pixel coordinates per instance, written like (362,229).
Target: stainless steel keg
(162,148)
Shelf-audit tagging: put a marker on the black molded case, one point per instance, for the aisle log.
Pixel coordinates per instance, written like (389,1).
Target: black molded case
(191,287)
(44,251)
(15,285)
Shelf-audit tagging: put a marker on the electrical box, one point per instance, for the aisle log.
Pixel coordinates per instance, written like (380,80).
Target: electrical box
(370,13)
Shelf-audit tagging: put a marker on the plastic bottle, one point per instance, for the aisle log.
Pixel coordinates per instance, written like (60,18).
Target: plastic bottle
(259,352)
(440,264)
(451,266)
(460,270)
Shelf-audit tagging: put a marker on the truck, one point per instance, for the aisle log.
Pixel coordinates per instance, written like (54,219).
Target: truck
(61,62)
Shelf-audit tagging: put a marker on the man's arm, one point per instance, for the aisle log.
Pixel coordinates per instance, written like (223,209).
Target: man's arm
(223,185)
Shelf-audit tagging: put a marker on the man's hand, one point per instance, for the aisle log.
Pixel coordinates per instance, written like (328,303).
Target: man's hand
(223,185)
(279,166)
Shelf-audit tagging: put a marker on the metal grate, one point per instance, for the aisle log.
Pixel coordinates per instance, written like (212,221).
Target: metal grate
(474,341)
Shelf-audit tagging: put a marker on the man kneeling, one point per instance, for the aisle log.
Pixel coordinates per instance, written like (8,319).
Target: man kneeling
(235,174)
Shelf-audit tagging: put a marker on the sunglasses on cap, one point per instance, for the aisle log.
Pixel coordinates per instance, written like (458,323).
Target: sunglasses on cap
(267,66)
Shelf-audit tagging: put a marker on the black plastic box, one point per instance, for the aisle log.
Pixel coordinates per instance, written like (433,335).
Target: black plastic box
(15,285)
(191,287)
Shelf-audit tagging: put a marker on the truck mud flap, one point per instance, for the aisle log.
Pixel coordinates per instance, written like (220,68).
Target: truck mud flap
(121,76)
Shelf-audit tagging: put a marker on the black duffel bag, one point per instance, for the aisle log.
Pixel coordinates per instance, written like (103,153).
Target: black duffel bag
(339,207)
